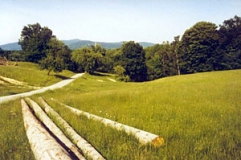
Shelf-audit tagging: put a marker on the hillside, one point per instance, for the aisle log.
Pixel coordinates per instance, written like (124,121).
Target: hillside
(198,115)
(25,77)
(76,43)
(107,45)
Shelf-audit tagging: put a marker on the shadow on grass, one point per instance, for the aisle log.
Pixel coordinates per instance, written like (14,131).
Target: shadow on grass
(61,77)
(12,93)
(99,74)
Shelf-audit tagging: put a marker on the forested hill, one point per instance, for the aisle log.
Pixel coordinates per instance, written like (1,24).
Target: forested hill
(76,43)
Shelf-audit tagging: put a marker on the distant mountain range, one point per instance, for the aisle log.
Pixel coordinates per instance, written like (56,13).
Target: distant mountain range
(76,43)
(11,46)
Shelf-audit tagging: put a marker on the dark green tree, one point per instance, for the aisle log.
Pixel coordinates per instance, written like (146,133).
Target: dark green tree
(34,41)
(133,61)
(230,44)
(16,56)
(160,61)
(197,48)
(1,52)
(58,57)
(107,62)
(175,46)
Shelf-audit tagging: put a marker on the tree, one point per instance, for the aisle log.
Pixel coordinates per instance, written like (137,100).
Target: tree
(58,56)
(133,61)
(175,45)
(102,60)
(86,59)
(15,56)
(98,49)
(1,52)
(119,71)
(117,56)
(34,41)
(120,74)
(198,48)
(160,61)
(107,62)
(230,43)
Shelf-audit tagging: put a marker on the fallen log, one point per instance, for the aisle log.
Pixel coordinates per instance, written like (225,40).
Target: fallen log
(43,145)
(87,149)
(54,129)
(143,136)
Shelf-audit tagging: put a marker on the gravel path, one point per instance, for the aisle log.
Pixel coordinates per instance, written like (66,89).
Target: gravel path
(52,87)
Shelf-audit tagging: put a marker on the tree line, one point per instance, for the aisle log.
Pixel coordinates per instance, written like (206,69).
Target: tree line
(203,47)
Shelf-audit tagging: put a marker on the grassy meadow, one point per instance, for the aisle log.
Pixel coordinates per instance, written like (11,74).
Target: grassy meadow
(31,75)
(198,115)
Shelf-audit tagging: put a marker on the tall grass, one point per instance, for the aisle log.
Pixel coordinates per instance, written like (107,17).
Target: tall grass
(198,115)
(13,140)
(10,89)
(110,142)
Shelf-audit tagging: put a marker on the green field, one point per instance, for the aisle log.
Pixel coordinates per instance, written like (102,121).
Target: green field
(198,115)
(31,75)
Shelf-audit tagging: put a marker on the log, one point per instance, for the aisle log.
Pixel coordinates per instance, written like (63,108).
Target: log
(54,129)
(43,145)
(87,149)
(143,136)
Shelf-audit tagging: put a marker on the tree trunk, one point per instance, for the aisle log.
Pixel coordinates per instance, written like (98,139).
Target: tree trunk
(177,63)
(143,136)
(85,146)
(43,145)
(54,129)
(176,44)
(49,72)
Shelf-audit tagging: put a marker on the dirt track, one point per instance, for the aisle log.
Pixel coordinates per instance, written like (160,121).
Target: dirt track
(52,87)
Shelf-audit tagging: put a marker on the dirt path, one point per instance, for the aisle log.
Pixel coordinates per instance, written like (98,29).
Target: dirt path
(52,87)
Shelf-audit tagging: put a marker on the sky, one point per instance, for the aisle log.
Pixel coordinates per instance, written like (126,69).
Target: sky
(153,21)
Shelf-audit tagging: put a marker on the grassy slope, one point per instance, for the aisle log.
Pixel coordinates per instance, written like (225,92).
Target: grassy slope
(13,140)
(198,116)
(29,73)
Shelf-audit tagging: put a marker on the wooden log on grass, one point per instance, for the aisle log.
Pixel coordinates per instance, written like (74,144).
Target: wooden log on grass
(143,136)
(43,145)
(87,149)
(54,129)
